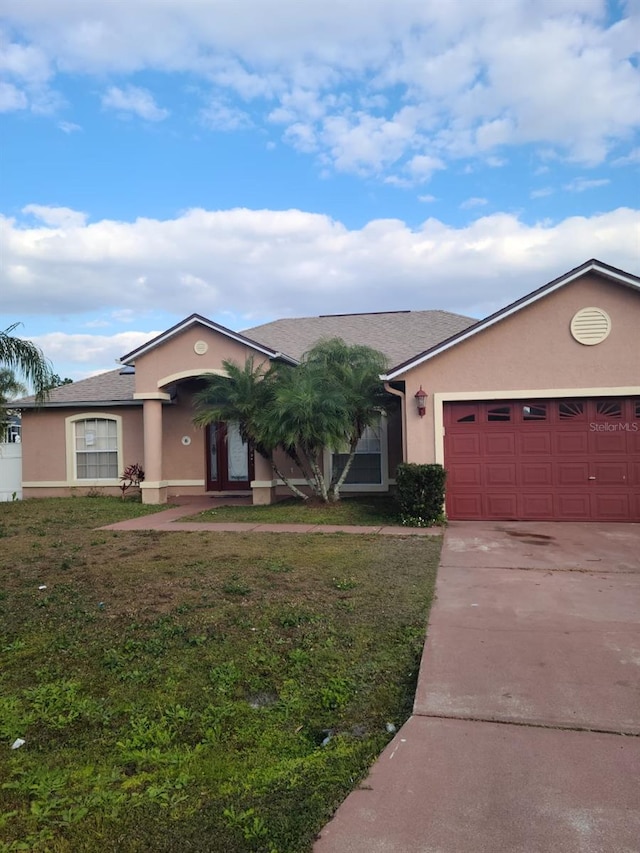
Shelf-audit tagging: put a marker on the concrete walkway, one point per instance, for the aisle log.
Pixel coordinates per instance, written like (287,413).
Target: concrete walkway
(524,737)
(171,520)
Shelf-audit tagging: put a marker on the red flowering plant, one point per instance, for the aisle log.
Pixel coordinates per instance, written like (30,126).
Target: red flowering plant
(133,475)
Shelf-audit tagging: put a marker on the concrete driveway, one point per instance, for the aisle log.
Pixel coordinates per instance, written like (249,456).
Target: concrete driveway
(525,733)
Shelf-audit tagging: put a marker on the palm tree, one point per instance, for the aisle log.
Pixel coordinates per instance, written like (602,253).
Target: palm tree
(10,388)
(309,412)
(244,395)
(326,401)
(27,360)
(356,369)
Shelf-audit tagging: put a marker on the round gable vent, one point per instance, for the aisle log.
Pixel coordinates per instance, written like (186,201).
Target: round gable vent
(590,326)
(201,347)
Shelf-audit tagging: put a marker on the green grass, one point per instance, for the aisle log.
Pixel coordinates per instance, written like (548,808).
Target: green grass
(175,690)
(370,511)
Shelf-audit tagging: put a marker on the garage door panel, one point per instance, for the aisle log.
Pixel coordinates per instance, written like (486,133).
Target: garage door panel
(465,475)
(499,444)
(534,443)
(610,473)
(467,444)
(536,474)
(468,506)
(573,460)
(535,505)
(574,506)
(611,507)
(572,473)
(500,474)
(501,506)
(570,442)
(613,443)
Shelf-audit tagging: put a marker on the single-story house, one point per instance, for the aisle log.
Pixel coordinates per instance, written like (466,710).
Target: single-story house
(534,411)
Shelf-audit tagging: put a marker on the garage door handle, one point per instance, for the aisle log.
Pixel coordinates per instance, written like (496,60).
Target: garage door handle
(592,478)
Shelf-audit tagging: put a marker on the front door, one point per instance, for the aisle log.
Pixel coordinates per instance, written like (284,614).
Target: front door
(229,459)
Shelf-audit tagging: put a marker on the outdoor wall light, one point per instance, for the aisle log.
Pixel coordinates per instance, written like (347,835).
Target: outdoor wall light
(421,402)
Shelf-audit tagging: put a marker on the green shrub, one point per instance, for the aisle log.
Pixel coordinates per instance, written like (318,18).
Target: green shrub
(420,493)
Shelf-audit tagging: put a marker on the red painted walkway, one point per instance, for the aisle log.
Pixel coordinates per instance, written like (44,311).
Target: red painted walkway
(525,731)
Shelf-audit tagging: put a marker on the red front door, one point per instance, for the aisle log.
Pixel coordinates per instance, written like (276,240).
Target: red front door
(565,460)
(229,459)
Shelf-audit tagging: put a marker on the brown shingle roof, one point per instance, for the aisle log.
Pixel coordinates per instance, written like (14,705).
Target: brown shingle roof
(108,388)
(398,334)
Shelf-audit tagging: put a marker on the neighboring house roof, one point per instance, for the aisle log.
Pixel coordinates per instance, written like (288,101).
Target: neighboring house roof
(398,334)
(114,388)
(199,320)
(592,266)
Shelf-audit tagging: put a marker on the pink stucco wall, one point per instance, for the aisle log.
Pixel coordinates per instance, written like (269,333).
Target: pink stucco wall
(532,350)
(177,354)
(44,447)
(180,461)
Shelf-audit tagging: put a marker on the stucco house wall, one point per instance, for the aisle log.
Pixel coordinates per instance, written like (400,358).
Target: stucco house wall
(524,351)
(46,471)
(177,358)
(530,351)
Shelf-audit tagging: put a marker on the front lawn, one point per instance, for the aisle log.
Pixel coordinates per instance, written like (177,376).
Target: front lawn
(372,511)
(194,691)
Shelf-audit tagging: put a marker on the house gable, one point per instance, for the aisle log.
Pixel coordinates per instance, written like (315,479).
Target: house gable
(592,268)
(191,348)
(534,348)
(530,355)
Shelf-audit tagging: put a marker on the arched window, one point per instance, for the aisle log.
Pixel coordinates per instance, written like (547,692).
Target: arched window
(94,446)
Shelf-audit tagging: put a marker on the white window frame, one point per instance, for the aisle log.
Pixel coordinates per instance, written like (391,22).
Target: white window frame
(72,458)
(383,485)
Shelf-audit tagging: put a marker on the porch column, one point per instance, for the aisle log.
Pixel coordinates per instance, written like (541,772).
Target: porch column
(263,486)
(153,488)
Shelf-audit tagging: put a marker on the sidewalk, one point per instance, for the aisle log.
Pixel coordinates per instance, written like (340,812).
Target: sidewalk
(524,737)
(170,520)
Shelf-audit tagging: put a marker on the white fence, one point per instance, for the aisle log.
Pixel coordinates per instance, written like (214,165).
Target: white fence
(10,471)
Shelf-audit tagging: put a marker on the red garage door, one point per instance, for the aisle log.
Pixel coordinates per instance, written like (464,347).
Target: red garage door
(568,460)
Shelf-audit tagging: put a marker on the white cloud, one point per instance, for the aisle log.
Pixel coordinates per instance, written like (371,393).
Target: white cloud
(133,99)
(631,158)
(542,192)
(126,315)
(221,116)
(279,263)
(12,98)
(25,62)
(86,350)
(475,201)
(62,217)
(473,79)
(579,185)
(427,199)
(68,127)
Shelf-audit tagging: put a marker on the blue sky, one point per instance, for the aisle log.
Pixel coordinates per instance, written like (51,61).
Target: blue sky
(263,158)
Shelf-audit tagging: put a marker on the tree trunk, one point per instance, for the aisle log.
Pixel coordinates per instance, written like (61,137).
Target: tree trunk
(337,485)
(311,479)
(321,482)
(296,491)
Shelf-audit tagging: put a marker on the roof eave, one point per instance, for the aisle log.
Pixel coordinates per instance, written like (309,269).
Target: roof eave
(77,404)
(193,320)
